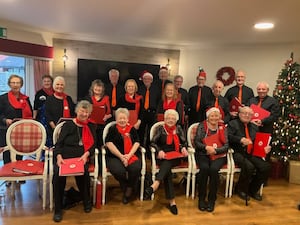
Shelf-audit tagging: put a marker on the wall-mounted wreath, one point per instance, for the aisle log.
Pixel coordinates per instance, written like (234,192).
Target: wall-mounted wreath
(230,71)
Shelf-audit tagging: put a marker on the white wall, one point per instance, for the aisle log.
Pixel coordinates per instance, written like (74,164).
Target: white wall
(261,63)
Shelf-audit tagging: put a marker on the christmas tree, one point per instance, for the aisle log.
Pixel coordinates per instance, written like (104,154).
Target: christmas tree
(286,143)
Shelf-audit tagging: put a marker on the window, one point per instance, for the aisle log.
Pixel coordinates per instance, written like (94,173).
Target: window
(11,65)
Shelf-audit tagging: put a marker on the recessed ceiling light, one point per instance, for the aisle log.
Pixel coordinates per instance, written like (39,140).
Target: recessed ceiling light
(263,26)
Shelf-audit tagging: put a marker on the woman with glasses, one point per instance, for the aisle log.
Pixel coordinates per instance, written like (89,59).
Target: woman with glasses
(13,105)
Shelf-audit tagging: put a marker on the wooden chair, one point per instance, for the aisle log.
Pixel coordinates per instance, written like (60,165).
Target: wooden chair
(26,137)
(105,170)
(226,169)
(93,166)
(184,167)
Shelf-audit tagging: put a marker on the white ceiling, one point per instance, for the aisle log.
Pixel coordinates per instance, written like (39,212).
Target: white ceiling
(161,23)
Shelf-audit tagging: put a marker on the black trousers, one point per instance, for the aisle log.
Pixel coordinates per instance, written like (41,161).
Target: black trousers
(209,170)
(149,118)
(59,184)
(254,172)
(165,174)
(127,176)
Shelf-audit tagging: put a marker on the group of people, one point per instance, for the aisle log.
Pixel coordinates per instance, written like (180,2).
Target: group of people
(135,108)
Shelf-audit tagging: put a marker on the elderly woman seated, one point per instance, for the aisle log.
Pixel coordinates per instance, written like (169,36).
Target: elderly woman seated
(168,138)
(76,140)
(122,141)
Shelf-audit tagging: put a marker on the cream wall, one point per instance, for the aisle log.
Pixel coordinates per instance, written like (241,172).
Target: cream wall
(261,63)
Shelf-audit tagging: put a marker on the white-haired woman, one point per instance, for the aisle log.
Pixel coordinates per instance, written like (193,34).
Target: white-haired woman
(76,140)
(211,147)
(59,105)
(122,141)
(168,137)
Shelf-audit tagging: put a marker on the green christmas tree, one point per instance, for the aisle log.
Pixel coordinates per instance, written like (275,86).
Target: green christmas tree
(286,142)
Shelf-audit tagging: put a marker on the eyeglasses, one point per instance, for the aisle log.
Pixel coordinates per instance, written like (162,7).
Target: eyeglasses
(246,113)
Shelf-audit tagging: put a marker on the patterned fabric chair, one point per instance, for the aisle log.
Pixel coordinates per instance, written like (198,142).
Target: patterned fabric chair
(226,169)
(106,173)
(93,167)
(27,137)
(184,167)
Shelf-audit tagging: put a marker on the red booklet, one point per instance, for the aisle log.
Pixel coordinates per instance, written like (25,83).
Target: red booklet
(133,117)
(261,141)
(234,105)
(72,167)
(259,113)
(173,155)
(27,167)
(97,114)
(214,141)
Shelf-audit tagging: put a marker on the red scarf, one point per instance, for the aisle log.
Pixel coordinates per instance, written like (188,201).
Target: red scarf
(48,91)
(221,131)
(87,137)
(136,100)
(172,136)
(125,132)
(104,101)
(66,109)
(171,105)
(22,103)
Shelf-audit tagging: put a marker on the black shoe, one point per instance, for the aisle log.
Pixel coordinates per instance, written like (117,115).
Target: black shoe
(125,200)
(243,195)
(88,208)
(256,197)
(210,207)
(148,192)
(7,183)
(22,181)
(57,217)
(202,205)
(173,209)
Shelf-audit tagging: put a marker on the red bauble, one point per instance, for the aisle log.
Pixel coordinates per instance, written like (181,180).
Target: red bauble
(290,87)
(283,147)
(294,140)
(280,87)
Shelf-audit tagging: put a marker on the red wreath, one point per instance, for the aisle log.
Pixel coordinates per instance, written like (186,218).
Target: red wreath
(228,70)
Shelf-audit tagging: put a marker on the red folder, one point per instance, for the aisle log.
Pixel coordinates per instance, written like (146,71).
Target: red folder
(214,141)
(72,167)
(98,114)
(173,155)
(259,113)
(133,117)
(27,167)
(160,117)
(234,105)
(261,141)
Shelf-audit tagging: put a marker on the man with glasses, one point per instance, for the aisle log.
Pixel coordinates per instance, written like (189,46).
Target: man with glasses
(254,170)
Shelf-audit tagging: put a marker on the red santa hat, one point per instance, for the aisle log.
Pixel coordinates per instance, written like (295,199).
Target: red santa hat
(202,74)
(146,74)
(163,68)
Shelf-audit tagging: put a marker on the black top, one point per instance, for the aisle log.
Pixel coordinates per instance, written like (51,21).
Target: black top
(270,104)
(120,91)
(154,96)
(115,137)
(224,104)
(122,103)
(39,101)
(179,109)
(233,92)
(236,131)
(68,141)
(185,98)
(159,139)
(55,106)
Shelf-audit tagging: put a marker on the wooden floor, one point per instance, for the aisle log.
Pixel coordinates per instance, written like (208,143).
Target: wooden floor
(279,206)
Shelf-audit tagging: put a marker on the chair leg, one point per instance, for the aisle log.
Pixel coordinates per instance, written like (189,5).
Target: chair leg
(142,187)
(94,189)
(231,184)
(188,184)
(44,192)
(227,185)
(153,179)
(103,189)
(193,185)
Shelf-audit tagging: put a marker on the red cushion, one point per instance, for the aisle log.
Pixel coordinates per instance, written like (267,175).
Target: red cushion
(26,168)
